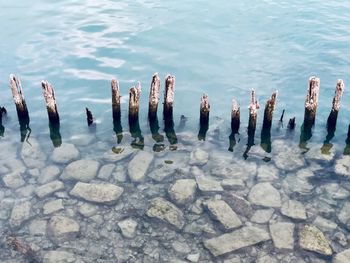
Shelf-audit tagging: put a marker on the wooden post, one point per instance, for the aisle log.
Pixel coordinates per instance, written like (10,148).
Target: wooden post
(89,117)
(3,112)
(134,101)
(268,113)
(154,96)
(169,95)
(281,119)
(235,117)
(333,115)
(204,117)
(115,100)
(50,99)
(291,123)
(311,101)
(253,112)
(347,146)
(18,97)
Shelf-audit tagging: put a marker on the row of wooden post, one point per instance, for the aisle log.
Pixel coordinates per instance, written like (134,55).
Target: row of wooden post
(311,104)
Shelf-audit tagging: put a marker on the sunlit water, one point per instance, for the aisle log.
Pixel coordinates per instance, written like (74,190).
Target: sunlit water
(220,48)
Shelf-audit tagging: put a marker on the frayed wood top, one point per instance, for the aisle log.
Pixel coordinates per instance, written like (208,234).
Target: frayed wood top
(134,96)
(339,90)
(254,104)
(311,101)
(115,92)
(16,88)
(205,106)
(169,90)
(154,91)
(49,95)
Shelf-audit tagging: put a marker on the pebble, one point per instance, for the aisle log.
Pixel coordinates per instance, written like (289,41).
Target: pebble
(82,170)
(294,209)
(48,174)
(312,239)
(139,165)
(342,257)
(61,229)
(53,206)
(282,234)
(262,216)
(183,191)
(49,188)
(13,180)
(20,213)
(66,153)
(199,157)
(128,227)
(223,213)
(264,194)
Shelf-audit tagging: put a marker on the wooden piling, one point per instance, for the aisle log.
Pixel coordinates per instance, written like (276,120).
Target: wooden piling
(291,123)
(268,113)
(253,112)
(18,97)
(169,95)
(3,112)
(282,115)
(333,115)
(115,100)
(311,101)
(347,141)
(154,96)
(50,99)
(134,101)
(204,117)
(89,117)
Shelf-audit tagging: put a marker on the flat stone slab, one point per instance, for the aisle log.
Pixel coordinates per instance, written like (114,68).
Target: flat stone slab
(262,216)
(208,184)
(53,206)
(49,188)
(97,193)
(82,170)
(138,166)
(32,154)
(61,229)
(293,209)
(183,191)
(166,212)
(342,257)
(344,215)
(312,239)
(20,213)
(223,213)
(199,157)
(282,235)
(264,194)
(243,237)
(66,153)
(342,166)
(13,180)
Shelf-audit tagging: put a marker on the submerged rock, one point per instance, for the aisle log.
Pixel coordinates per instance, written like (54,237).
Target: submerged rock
(106,171)
(312,239)
(166,211)
(13,180)
(82,170)
(66,153)
(183,191)
(53,206)
(299,182)
(241,205)
(32,155)
(293,209)
(48,174)
(262,216)
(20,213)
(243,237)
(59,257)
(223,213)
(128,227)
(342,257)
(97,193)
(344,215)
(117,155)
(49,188)
(37,227)
(264,194)
(199,157)
(282,235)
(267,173)
(324,224)
(61,229)
(138,166)
(342,166)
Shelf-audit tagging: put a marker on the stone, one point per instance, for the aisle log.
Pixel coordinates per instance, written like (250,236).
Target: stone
(97,193)
(299,182)
(55,256)
(83,170)
(193,257)
(112,156)
(294,209)
(37,227)
(49,188)
(267,173)
(243,237)
(20,213)
(336,192)
(264,194)
(53,206)
(266,259)
(223,213)
(32,155)
(232,184)
(342,257)
(183,191)
(128,227)
(13,180)
(344,215)
(87,209)
(181,247)
(206,183)
(312,239)
(48,174)
(241,205)
(199,157)
(324,224)
(61,229)
(342,166)
(82,139)
(139,165)
(166,212)
(288,158)
(262,216)
(106,171)
(282,234)
(66,153)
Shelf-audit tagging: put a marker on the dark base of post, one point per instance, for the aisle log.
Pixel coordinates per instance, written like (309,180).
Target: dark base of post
(305,135)
(232,142)
(135,131)
(24,129)
(55,134)
(182,123)
(332,120)
(154,127)
(251,135)
(3,113)
(118,129)
(235,123)
(291,124)
(266,140)
(203,126)
(169,126)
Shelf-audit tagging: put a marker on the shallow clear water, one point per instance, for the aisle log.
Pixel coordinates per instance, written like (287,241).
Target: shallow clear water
(219,48)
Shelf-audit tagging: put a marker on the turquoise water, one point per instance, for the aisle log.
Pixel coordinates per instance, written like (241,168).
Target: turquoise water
(220,48)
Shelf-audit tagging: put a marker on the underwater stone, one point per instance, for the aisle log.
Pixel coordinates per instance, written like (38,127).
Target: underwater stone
(282,234)
(138,166)
(299,182)
(59,256)
(262,216)
(267,173)
(32,155)
(123,152)
(49,188)
(199,157)
(166,211)
(183,191)
(106,171)
(97,193)
(13,180)
(82,170)
(20,213)
(206,183)
(342,166)
(87,209)
(312,239)
(241,205)
(128,227)
(324,224)
(233,184)
(223,213)
(52,206)
(344,215)
(267,259)
(61,229)
(243,237)
(293,209)
(48,174)
(37,227)
(342,257)
(66,153)
(264,194)
(193,257)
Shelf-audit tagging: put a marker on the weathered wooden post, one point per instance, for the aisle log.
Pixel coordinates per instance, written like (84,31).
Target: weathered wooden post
(333,115)
(235,117)
(134,126)
(3,113)
(52,112)
(267,123)
(89,117)
(168,110)
(204,111)
(253,112)
(291,123)
(347,146)
(116,111)
(282,115)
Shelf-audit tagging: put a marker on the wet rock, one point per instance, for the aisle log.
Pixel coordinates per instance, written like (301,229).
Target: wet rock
(97,193)
(181,247)
(32,155)
(59,257)
(289,160)
(183,191)
(200,226)
(117,155)
(11,165)
(199,157)
(37,227)
(262,216)
(344,215)
(138,166)
(266,259)
(48,174)
(264,194)
(53,206)
(342,257)
(312,239)
(20,213)
(82,170)
(282,235)
(61,229)
(267,173)
(206,183)
(49,188)
(128,227)
(13,180)
(243,237)
(166,211)
(324,224)
(106,171)
(299,182)
(232,184)
(193,257)
(87,209)
(340,238)
(161,172)
(293,209)
(66,153)
(342,166)
(223,213)
(241,205)
(336,192)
